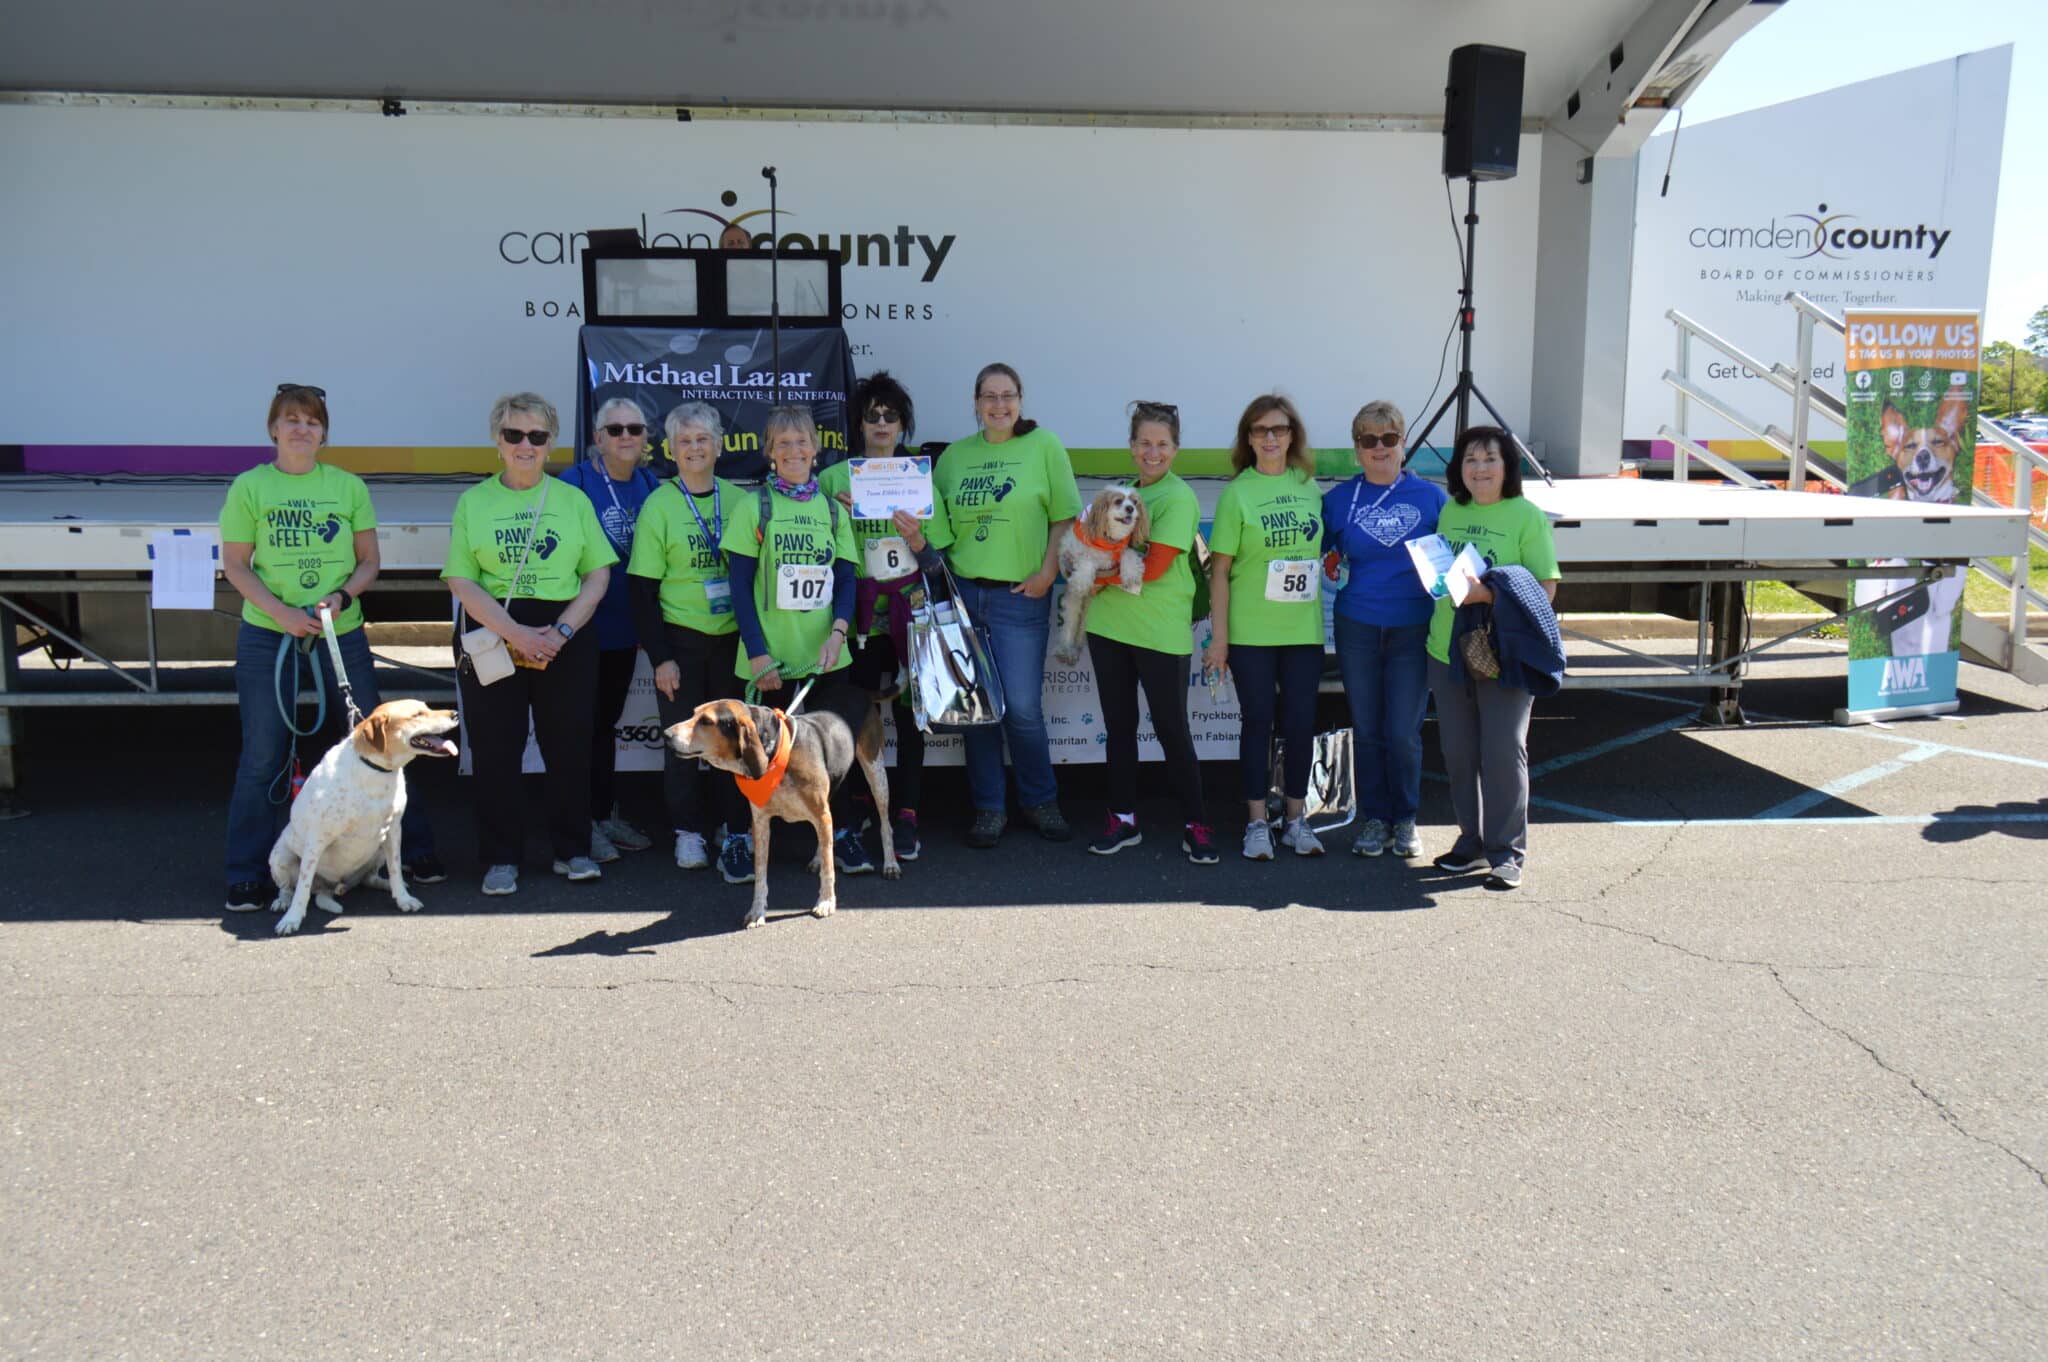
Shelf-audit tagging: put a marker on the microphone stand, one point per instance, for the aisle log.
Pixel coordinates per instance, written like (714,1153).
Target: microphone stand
(774,284)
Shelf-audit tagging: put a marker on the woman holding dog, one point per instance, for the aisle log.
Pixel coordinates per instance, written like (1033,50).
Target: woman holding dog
(1267,612)
(1010,494)
(1483,724)
(1382,624)
(297,536)
(528,560)
(1148,639)
(682,603)
(791,552)
(894,556)
(618,483)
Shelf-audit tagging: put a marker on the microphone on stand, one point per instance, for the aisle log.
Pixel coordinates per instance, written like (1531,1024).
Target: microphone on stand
(774,283)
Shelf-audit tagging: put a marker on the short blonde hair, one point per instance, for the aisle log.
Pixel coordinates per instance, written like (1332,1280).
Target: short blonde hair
(526,404)
(1378,417)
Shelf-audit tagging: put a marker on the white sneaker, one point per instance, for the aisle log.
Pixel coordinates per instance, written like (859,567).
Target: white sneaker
(1258,841)
(601,849)
(1302,838)
(691,853)
(1407,841)
(579,868)
(1371,839)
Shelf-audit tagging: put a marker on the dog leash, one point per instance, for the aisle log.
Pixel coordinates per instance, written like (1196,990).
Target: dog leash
(754,692)
(348,697)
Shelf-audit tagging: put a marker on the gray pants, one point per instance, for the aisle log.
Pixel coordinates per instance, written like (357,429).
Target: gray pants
(1484,730)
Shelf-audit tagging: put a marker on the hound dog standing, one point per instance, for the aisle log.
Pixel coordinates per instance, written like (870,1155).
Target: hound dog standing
(346,816)
(787,768)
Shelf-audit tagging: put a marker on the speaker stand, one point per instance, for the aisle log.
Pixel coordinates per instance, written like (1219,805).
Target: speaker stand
(1462,393)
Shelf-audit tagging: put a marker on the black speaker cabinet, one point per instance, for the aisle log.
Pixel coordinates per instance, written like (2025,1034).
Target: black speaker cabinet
(1483,113)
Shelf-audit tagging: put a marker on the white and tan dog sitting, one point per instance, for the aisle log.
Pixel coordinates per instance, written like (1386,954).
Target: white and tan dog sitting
(1111,537)
(345,819)
(786,769)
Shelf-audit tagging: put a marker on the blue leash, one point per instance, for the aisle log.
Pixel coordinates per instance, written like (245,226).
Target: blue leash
(288,709)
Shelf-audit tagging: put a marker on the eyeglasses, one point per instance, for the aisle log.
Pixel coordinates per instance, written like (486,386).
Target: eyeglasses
(1390,440)
(997,397)
(513,437)
(1272,432)
(616,429)
(283,388)
(882,416)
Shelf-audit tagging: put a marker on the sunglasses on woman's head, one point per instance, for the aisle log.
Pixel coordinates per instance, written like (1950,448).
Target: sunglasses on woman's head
(616,429)
(301,388)
(1390,440)
(513,437)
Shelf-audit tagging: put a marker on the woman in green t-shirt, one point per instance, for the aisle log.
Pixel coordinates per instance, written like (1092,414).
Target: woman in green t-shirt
(1149,638)
(791,554)
(528,560)
(1482,724)
(1009,492)
(682,610)
(296,535)
(1266,611)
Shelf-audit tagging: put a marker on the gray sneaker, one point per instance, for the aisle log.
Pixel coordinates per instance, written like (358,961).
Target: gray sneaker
(1302,838)
(1258,841)
(1407,841)
(1371,839)
(579,868)
(622,834)
(601,848)
(501,879)
(1506,875)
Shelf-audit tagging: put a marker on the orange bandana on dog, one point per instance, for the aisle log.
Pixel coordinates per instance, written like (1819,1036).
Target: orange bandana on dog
(760,789)
(1100,545)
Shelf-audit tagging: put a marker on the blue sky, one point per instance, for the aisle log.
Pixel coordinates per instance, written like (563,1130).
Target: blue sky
(1813,45)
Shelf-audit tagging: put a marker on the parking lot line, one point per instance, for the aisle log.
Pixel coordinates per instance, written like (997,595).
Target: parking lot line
(1821,794)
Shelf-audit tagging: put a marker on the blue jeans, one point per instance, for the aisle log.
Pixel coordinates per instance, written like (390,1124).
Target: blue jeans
(1018,628)
(1275,683)
(261,802)
(1386,683)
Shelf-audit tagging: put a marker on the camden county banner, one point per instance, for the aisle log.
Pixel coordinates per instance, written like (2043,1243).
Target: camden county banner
(732,370)
(1912,436)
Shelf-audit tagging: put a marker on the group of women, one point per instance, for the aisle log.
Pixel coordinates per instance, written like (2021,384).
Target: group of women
(780,586)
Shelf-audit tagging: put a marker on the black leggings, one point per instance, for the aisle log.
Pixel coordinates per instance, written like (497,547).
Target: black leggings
(562,697)
(874,662)
(614,680)
(1282,676)
(697,795)
(1119,670)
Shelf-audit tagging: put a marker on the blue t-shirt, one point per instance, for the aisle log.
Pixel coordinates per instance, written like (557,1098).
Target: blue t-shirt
(1369,525)
(618,511)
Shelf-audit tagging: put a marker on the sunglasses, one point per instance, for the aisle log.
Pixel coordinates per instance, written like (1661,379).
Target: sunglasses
(301,388)
(513,437)
(883,416)
(1158,408)
(616,429)
(1272,432)
(1387,441)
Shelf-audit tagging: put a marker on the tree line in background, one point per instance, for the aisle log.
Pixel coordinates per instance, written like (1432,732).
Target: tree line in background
(2015,377)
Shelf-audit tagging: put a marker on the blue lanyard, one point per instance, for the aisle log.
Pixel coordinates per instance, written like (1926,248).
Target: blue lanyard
(604,476)
(717,525)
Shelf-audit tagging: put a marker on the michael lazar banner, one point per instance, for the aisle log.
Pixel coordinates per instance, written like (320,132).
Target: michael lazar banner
(1911,392)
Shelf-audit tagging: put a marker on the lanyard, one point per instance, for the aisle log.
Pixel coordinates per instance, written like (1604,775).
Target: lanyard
(717,525)
(604,476)
(1351,516)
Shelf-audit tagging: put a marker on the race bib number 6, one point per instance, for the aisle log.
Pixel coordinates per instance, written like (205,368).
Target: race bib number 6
(1291,580)
(803,586)
(888,557)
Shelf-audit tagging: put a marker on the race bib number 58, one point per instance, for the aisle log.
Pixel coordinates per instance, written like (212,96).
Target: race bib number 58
(1291,580)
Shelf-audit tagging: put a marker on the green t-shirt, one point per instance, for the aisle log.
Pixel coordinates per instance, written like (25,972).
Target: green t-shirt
(1002,499)
(304,527)
(1263,520)
(1158,616)
(799,534)
(1512,532)
(679,549)
(490,530)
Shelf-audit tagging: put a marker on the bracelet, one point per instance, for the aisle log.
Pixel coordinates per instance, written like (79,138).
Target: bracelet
(346,599)
(839,627)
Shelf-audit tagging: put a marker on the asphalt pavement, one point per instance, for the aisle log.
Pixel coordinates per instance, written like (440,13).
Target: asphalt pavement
(1755,1065)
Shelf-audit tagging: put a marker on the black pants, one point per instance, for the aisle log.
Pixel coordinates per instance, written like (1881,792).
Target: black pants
(1278,677)
(562,698)
(1119,670)
(873,664)
(614,679)
(698,796)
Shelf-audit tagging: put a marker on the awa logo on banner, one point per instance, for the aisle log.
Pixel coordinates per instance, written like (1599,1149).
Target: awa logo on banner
(1912,436)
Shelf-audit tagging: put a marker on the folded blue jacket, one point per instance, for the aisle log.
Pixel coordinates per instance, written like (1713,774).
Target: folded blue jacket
(1525,634)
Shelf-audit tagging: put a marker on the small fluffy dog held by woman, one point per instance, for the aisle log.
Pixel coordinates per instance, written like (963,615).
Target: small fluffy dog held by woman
(1111,537)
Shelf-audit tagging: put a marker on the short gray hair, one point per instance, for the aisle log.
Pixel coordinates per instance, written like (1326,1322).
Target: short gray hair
(789,416)
(639,412)
(526,404)
(693,414)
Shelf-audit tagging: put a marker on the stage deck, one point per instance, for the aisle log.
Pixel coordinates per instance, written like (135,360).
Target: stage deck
(75,525)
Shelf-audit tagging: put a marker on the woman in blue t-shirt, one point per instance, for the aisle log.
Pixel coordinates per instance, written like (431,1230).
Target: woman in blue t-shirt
(1382,624)
(616,478)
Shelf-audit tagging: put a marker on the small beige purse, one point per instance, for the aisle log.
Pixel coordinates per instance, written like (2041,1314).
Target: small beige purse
(483,650)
